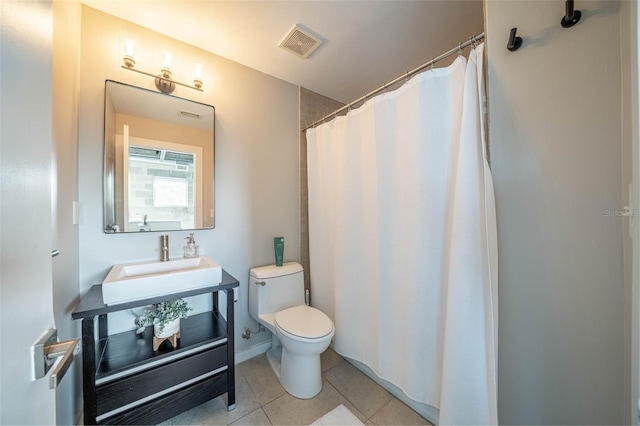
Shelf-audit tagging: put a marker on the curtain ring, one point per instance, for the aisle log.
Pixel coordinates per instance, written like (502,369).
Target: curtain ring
(473,42)
(433,62)
(460,49)
(406,78)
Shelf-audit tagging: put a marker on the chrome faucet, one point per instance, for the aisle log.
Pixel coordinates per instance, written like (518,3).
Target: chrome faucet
(164,248)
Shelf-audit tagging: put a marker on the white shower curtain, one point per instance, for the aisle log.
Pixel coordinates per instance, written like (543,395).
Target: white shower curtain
(403,240)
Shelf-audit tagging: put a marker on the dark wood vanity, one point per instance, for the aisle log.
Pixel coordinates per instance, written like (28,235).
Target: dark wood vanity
(126,382)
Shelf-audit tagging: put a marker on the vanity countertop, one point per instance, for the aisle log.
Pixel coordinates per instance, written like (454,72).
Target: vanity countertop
(91,304)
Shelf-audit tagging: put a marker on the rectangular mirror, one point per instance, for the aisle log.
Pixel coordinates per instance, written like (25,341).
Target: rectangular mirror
(158,161)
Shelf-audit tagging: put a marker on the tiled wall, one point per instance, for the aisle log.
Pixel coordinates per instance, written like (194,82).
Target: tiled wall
(313,107)
(142,175)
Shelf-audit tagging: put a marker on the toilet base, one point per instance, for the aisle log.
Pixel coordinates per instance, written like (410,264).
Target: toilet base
(274,355)
(300,375)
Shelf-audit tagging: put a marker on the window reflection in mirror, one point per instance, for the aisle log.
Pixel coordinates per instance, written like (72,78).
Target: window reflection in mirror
(159,158)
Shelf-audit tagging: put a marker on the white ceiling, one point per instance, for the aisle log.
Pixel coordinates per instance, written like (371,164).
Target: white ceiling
(366,43)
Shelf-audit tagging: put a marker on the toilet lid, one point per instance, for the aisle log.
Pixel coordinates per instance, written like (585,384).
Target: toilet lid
(304,321)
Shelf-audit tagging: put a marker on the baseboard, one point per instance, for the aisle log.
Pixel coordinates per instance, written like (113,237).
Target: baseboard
(253,351)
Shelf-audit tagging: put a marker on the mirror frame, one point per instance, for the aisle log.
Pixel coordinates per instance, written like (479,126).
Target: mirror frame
(108,187)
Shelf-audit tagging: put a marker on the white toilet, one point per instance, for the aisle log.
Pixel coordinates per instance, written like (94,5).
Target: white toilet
(300,333)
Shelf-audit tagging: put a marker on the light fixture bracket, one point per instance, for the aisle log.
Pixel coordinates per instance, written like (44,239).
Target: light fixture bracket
(164,84)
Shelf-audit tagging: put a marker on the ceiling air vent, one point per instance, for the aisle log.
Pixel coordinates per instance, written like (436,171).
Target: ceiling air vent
(300,42)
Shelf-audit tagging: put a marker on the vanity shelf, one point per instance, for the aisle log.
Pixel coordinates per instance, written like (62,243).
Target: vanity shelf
(126,382)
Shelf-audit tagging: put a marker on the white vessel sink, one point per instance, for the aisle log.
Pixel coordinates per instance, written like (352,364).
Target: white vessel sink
(127,282)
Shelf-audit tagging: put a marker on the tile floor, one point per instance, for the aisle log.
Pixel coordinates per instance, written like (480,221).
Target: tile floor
(261,400)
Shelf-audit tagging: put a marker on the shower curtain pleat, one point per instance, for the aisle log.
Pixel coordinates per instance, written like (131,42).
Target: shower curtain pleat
(399,225)
(469,359)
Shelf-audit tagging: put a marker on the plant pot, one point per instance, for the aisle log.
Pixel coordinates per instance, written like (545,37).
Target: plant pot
(170,328)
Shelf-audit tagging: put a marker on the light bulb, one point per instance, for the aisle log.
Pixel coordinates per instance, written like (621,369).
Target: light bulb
(129,50)
(165,71)
(166,62)
(197,75)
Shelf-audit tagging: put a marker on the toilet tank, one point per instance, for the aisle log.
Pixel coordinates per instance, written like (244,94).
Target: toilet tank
(284,288)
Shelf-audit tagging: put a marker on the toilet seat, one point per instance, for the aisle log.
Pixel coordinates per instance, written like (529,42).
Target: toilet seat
(304,323)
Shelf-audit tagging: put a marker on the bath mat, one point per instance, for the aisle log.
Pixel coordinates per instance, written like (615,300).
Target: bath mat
(338,416)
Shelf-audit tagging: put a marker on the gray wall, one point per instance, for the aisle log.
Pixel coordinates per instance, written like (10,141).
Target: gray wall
(629,74)
(556,149)
(256,160)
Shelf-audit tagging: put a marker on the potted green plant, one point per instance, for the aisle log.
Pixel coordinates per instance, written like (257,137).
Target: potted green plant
(166,316)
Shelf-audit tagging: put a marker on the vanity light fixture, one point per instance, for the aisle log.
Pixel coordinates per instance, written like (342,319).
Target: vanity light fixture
(164,81)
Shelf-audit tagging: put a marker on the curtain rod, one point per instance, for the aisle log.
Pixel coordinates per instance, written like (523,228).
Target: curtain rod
(473,40)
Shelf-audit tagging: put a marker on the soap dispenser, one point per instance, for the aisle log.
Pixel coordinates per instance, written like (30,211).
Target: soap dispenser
(191,248)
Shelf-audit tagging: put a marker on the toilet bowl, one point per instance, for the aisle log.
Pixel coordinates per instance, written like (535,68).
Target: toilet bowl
(300,333)
(305,333)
